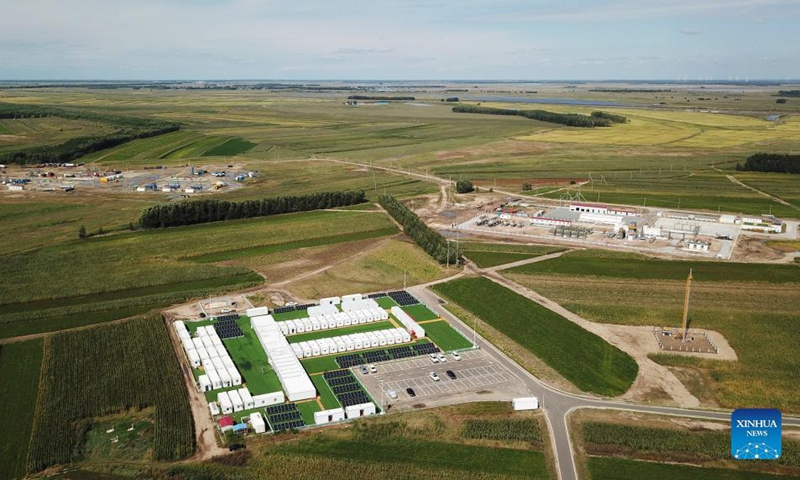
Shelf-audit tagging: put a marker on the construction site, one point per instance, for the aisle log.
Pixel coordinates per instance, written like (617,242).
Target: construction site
(682,339)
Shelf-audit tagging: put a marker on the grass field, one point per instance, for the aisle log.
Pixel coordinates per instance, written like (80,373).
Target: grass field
(388,266)
(121,366)
(581,357)
(597,263)
(420,312)
(97,279)
(602,468)
(29,132)
(307,410)
(232,147)
(443,335)
(763,338)
(335,332)
(250,359)
(20,368)
(326,396)
(492,254)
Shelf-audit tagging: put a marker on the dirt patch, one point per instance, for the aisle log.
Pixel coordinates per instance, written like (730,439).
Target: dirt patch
(752,249)
(516,183)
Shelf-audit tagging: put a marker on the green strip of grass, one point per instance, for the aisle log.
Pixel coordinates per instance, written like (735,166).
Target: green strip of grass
(232,147)
(386,302)
(604,468)
(583,358)
(445,337)
(282,247)
(617,265)
(367,327)
(20,369)
(307,410)
(250,359)
(420,313)
(326,396)
(492,254)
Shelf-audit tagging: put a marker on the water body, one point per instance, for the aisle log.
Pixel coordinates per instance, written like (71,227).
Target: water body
(552,101)
(773,117)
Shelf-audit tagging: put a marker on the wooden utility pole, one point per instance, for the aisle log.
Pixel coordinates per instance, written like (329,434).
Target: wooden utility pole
(685,326)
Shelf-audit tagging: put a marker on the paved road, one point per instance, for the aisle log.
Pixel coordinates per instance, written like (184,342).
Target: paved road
(557,404)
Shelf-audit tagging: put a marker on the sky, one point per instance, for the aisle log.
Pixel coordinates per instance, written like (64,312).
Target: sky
(399,40)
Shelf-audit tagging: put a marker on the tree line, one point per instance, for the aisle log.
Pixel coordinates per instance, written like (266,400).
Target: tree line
(569,119)
(212,210)
(427,238)
(128,129)
(789,93)
(378,97)
(610,117)
(771,162)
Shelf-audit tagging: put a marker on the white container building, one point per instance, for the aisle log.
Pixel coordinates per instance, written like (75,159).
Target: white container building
(297,349)
(257,422)
(267,399)
(194,358)
(315,350)
(202,353)
(525,403)
(361,410)
(224,378)
(328,416)
(236,378)
(204,383)
(225,403)
(247,399)
(236,400)
(216,382)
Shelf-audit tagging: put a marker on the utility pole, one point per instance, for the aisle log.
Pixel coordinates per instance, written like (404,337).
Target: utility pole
(448,253)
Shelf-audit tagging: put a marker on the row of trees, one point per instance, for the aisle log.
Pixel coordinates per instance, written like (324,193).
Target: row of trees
(569,119)
(610,117)
(771,162)
(429,239)
(378,97)
(789,93)
(128,129)
(211,210)
(464,186)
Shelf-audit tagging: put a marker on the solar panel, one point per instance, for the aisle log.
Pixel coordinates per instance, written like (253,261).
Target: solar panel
(230,316)
(284,309)
(425,348)
(228,329)
(305,306)
(284,407)
(377,295)
(403,298)
(288,425)
(336,374)
(350,387)
(284,417)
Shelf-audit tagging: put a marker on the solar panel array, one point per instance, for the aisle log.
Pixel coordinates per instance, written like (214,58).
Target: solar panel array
(228,329)
(377,295)
(283,407)
(337,374)
(284,309)
(305,306)
(350,387)
(353,398)
(403,298)
(288,425)
(340,380)
(284,417)
(383,355)
(230,316)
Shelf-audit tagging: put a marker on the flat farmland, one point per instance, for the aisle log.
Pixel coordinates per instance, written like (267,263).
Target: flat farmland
(29,132)
(726,297)
(592,365)
(20,369)
(603,468)
(133,272)
(492,254)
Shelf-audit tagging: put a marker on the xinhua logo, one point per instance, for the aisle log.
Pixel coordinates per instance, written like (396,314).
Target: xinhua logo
(756,434)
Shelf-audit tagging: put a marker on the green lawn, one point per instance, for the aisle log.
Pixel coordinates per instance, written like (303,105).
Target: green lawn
(420,312)
(251,360)
(386,302)
(326,396)
(307,410)
(335,332)
(583,358)
(604,468)
(492,254)
(443,335)
(20,369)
(293,315)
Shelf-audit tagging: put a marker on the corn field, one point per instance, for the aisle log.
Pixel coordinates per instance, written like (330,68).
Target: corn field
(505,429)
(105,370)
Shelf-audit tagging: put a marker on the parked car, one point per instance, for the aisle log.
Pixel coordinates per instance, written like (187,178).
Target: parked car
(434,358)
(226,310)
(451,374)
(410,392)
(434,377)
(442,358)
(363,369)
(456,356)
(392,394)
(237,446)
(372,369)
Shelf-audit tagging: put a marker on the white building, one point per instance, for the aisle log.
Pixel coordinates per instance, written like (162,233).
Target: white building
(258,423)
(588,208)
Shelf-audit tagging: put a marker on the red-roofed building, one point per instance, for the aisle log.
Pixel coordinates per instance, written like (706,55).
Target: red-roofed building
(226,423)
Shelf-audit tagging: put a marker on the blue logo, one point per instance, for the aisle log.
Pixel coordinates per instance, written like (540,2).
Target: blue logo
(756,434)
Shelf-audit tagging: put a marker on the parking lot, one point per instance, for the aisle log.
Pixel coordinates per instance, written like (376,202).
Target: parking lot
(478,377)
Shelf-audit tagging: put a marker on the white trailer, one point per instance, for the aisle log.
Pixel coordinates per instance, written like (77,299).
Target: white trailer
(257,422)
(204,383)
(236,401)
(267,399)
(525,403)
(247,399)
(225,403)
(194,358)
(236,377)
(327,416)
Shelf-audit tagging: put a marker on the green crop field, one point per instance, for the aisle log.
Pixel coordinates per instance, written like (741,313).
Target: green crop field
(28,132)
(620,469)
(509,430)
(335,332)
(121,366)
(20,368)
(420,313)
(492,254)
(442,334)
(726,297)
(232,147)
(581,357)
